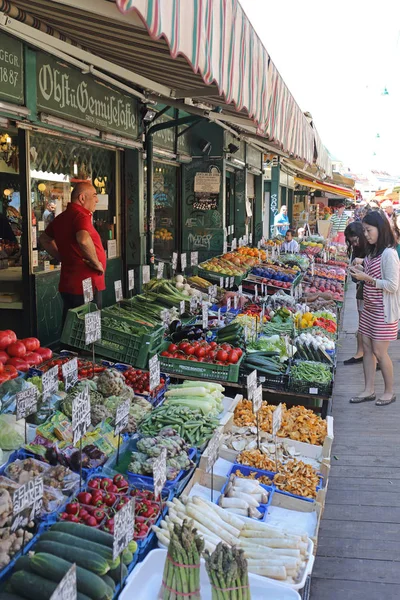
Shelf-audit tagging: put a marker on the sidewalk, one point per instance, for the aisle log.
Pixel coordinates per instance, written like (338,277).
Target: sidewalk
(358,555)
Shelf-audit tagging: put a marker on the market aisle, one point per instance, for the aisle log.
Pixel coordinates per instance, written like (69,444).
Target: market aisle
(358,555)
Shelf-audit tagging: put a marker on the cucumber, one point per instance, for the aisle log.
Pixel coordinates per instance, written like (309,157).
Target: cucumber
(10,596)
(23,564)
(34,587)
(108,581)
(72,540)
(115,573)
(54,568)
(87,560)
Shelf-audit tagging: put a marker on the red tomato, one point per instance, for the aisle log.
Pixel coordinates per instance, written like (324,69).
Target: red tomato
(33,359)
(31,344)
(222,355)
(190,350)
(11,334)
(192,358)
(45,353)
(4,377)
(239,351)
(16,349)
(172,348)
(19,363)
(165,353)
(11,371)
(5,340)
(183,345)
(200,352)
(3,357)
(226,347)
(233,357)
(213,345)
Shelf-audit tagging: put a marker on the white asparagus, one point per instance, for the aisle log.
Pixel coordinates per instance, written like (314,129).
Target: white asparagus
(271,552)
(260,534)
(162,538)
(238,511)
(175,519)
(225,502)
(292,563)
(205,513)
(215,528)
(203,530)
(178,503)
(268,531)
(245,484)
(235,493)
(221,513)
(272,543)
(272,572)
(254,513)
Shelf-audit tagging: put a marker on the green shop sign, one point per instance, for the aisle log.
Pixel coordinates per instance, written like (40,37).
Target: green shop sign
(65,92)
(11,70)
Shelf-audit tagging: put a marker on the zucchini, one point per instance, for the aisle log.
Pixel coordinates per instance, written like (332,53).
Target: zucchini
(115,573)
(77,542)
(23,564)
(87,560)
(10,596)
(54,568)
(108,581)
(34,587)
(94,535)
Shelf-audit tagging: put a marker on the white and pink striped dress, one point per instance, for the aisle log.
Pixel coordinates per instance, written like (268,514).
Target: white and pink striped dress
(372,319)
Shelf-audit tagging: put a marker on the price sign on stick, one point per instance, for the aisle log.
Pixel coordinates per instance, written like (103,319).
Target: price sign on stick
(204,314)
(122,417)
(70,373)
(231,282)
(234,244)
(251,381)
(256,293)
(250,239)
(160,473)
(118,291)
(124,528)
(257,399)
(221,282)
(87,288)
(27,496)
(160,270)
(194,259)
(181,307)
(212,455)
(81,418)
(131,280)
(26,402)
(235,302)
(240,289)
(145,273)
(228,304)
(174,261)
(193,304)
(183,262)
(92,327)
(50,382)
(66,589)
(227,283)
(276,419)
(154,372)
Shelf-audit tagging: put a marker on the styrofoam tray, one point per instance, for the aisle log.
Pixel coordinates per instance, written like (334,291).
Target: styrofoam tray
(145,580)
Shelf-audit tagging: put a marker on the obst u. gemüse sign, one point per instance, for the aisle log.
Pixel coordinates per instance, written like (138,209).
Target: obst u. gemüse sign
(67,93)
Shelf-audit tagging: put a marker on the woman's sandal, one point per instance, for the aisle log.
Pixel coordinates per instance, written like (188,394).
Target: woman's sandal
(381,402)
(359,399)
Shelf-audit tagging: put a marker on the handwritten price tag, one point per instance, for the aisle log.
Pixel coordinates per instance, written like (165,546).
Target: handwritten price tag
(26,403)
(251,381)
(66,589)
(118,291)
(145,273)
(122,417)
(277,419)
(124,528)
(27,496)
(194,259)
(81,417)
(174,261)
(213,448)
(257,399)
(154,372)
(160,472)
(87,288)
(70,373)
(131,280)
(204,315)
(183,262)
(92,327)
(160,270)
(49,383)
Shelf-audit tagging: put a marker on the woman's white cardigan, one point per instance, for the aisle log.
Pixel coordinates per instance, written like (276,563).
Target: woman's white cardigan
(390,284)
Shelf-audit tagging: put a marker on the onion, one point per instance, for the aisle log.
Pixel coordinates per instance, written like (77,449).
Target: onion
(179,279)
(179,285)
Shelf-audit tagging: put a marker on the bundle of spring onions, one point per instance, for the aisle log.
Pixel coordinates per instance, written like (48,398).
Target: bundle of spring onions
(227,572)
(181,575)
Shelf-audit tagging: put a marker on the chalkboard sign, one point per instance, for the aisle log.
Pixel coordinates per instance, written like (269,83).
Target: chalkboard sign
(81,417)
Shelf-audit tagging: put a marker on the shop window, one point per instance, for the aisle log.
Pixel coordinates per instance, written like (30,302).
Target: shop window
(165,191)
(56,165)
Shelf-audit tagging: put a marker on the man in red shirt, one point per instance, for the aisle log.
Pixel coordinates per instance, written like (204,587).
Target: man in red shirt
(72,239)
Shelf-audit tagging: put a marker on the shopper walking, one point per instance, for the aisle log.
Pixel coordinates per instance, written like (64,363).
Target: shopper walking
(72,239)
(281,221)
(380,272)
(356,248)
(339,221)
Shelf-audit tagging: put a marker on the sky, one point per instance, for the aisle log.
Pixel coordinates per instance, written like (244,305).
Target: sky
(337,58)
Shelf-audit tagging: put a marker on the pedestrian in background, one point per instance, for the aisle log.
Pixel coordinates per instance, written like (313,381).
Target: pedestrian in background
(380,272)
(339,221)
(281,221)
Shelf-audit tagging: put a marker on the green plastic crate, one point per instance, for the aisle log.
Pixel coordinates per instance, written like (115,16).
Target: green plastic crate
(188,368)
(116,345)
(215,277)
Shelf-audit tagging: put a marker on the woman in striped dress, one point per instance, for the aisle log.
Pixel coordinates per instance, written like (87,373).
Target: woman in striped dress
(380,272)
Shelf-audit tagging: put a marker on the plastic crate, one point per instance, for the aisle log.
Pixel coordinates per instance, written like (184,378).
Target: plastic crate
(272,382)
(312,388)
(116,345)
(188,368)
(263,508)
(135,478)
(215,277)
(155,399)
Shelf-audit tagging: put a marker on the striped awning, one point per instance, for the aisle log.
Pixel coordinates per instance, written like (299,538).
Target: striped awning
(206,50)
(326,187)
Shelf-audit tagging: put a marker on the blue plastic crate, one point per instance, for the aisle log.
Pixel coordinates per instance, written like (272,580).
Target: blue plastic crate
(263,508)
(248,470)
(172,483)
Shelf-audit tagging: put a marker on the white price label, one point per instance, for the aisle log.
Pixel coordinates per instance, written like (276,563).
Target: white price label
(227,283)
(234,244)
(111,248)
(259,245)
(204,315)
(219,315)
(160,472)
(46,265)
(87,290)
(213,448)
(235,302)
(124,528)
(66,589)
(49,382)
(240,289)
(221,282)
(131,280)
(122,416)
(174,261)
(160,270)
(183,261)
(34,237)
(194,259)
(228,304)
(145,273)
(277,419)
(92,327)
(28,495)
(251,381)
(231,282)
(250,239)
(181,307)
(313,391)
(257,399)
(70,373)
(154,373)
(312,267)
(26,403)
(324,256)
(256,293)
(81,417)
(118,291)
(225,247)
(193,304)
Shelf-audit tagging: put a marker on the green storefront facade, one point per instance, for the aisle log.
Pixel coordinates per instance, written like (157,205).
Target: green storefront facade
(62,126)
